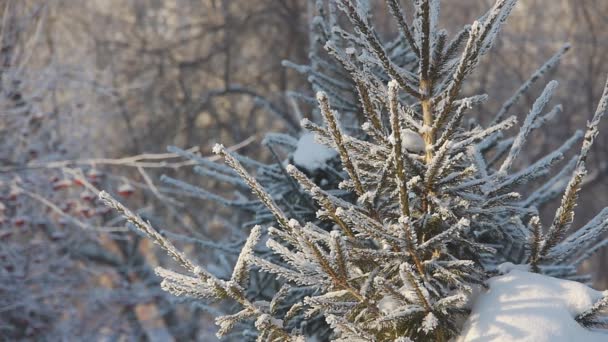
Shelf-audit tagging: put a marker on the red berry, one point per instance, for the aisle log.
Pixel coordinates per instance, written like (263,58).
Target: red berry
(20,221)
(125,190)
(87,196)
(94,174)
(86,211)
(61,184)
(65,207)
(13,194)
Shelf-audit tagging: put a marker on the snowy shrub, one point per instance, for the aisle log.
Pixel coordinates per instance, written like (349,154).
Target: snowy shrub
(423,208)
(62,258)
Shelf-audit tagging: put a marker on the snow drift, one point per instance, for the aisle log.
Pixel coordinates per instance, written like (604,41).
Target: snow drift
(525,306)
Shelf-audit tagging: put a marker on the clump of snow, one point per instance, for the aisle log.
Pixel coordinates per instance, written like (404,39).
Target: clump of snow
(429,323)
(507,267)
(524,306)
(311,155)
(217,148)
(388,304)
(412,141)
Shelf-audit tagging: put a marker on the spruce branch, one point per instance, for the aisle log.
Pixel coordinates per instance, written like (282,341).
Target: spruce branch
(368,107)
(535,243)
(409,277)
(254,185)
(455,45)
(478,34)
(398,14)
(376,46)
(581,240)
(528,126)
(240,274)
(456,118)
(449,95)
(548,65)
(336,133)
(565,213)
(324,200)
(150,232)
(423,13)
(205,285)
(339,255)
(397,156)
(426,83)
(587,318)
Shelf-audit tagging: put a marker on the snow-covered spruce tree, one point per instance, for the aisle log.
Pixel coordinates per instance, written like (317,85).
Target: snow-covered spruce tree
(331,71)
(436,205)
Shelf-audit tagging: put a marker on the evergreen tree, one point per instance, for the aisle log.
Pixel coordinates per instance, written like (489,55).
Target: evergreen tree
(424,206)
(326,72)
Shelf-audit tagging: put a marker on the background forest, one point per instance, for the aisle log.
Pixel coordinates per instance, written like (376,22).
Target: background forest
(93,92)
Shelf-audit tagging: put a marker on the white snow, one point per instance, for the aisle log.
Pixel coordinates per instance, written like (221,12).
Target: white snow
(507,267)
(429,323)
(524,306)
(217,148)
(412,141)
(310,154)
(388,304)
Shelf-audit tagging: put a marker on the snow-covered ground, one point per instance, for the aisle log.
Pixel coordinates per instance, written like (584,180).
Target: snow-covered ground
(525,306)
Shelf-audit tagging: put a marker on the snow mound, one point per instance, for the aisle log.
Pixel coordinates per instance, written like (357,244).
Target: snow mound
(412,141)
(524,306)
(311,155)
